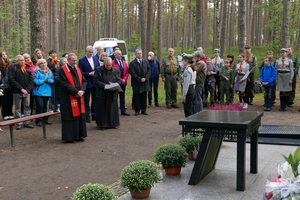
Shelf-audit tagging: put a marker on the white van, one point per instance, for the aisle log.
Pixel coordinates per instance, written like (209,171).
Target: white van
(108,44)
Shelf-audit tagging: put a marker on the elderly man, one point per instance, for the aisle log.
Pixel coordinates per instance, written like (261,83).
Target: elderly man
(139,70)
(284,78)
(115,48)
(21,82)
(154,78)
(170,74)
(88,65)
(73,85)
(122,67)
(100,50)
(201,70)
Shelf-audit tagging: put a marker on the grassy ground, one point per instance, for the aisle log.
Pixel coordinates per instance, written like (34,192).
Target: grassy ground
(260,52)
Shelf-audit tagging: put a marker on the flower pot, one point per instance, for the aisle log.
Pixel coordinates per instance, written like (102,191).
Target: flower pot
(173,171)
(143,195)
(191,157)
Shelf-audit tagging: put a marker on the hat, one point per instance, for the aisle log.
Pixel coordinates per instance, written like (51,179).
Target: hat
(217,50)
(283,50)
(71,54)
(187,56)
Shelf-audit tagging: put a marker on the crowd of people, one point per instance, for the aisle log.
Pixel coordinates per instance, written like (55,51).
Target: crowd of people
(90,90)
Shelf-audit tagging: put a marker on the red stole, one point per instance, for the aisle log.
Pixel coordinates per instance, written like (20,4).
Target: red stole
(73,99)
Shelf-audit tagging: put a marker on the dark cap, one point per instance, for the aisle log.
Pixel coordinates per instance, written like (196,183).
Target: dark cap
(187,56)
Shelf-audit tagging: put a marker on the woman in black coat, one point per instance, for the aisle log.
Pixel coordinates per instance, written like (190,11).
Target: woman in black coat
(107,113)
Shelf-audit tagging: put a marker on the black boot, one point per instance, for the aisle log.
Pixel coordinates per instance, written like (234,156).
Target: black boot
(281,104)
(241,101)
(251,101)
(286,100)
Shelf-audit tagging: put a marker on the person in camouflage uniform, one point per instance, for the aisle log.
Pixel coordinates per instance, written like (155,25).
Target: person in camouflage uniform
(252,61)
(226,81)
(170,74)
(232,65)
(295,61)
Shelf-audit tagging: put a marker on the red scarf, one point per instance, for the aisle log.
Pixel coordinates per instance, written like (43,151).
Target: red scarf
(73,99)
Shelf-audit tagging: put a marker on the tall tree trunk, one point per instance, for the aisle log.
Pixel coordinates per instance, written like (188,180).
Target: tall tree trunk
(128,22)
(184,26)
(285,23)
(116,20)
(298,43)
(149,26)
(232,23)
(241,26)
(123,25)
(223,31)
(253,25)
(55,26)
(159,29)
(216,37)
(142,24)
(189,29)
(23,21)
(199,19)
(38,26)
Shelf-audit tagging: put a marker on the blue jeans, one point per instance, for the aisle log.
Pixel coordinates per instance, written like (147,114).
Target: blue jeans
(269,95)
(41,106)
(199,101)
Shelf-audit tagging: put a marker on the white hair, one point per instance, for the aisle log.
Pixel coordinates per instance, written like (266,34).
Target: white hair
(89,48)
(19,56)
(26,55)
(151,53)
(107,60)
(117,51)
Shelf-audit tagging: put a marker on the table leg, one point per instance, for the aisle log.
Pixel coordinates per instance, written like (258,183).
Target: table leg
(44,127)
(254,152)
(11,128)
(241,160)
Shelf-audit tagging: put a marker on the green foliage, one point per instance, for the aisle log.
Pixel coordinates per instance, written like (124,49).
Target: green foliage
(94,192)
(170,155)
(294,160)
(189,142)
(135,40)
(139,175)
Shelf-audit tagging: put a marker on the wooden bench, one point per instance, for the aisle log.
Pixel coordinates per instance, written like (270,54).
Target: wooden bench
(12,122)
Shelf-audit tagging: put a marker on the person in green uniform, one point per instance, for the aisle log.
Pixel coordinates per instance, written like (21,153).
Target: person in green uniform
(232,65)
(226,81)
(252,61)
(295,61)
(170,74)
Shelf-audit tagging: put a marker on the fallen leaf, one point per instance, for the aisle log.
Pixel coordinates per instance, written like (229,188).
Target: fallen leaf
(66,187)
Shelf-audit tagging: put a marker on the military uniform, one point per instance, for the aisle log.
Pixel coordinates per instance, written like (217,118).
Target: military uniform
(295,61)
(218,63)
(171,79)
(249,91)
(260,67)
(233,67)
(284,73)
(225,85)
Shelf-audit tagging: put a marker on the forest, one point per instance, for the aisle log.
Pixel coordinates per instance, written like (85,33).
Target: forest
(71,25)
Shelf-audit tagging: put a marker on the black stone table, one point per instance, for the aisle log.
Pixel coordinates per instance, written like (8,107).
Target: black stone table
(214,125)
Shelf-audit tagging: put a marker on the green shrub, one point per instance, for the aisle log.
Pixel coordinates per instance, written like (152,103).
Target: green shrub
(139,175)
(94,192)
(189,142)
(170,155)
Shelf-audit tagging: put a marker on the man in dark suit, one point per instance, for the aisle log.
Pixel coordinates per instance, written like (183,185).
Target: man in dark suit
(100,50)
(88,64)
(115,48)
(139,70)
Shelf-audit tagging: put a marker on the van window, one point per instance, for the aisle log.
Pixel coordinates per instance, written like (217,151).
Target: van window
(108,50)
(122,48)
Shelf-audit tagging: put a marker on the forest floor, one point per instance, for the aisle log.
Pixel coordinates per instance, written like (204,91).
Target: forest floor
(38,168)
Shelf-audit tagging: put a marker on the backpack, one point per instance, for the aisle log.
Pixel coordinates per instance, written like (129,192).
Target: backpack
(257,88)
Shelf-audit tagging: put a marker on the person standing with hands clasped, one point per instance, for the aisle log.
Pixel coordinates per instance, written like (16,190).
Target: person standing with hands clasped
(242,70)
(226,81)
(188,85)
(284,78)
(267,79)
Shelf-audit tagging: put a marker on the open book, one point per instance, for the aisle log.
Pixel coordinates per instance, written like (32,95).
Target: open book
(114,86)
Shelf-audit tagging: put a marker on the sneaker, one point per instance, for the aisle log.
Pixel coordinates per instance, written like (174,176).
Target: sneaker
(241,104)
(266,108)
(19,126)
(270,108)
(23,115)
(6,118)
(1,129)
(11,117)
(245,106)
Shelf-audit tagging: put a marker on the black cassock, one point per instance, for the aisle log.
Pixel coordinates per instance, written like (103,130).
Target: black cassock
(107,101)
(73,128)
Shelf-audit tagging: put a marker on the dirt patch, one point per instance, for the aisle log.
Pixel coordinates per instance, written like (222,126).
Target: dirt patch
(38,168)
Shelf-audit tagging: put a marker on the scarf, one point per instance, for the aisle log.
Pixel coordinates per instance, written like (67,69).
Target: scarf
(247,59)
(5,64)
(241,67)
(282,67)
(29,64)
(172,65)
(46,71)
(53,60)
(22,68)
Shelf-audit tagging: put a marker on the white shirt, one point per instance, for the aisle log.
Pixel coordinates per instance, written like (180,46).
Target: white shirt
(91,62)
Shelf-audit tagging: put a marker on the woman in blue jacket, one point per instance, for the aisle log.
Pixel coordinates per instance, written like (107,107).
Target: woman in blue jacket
(42,91)
(267,79)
